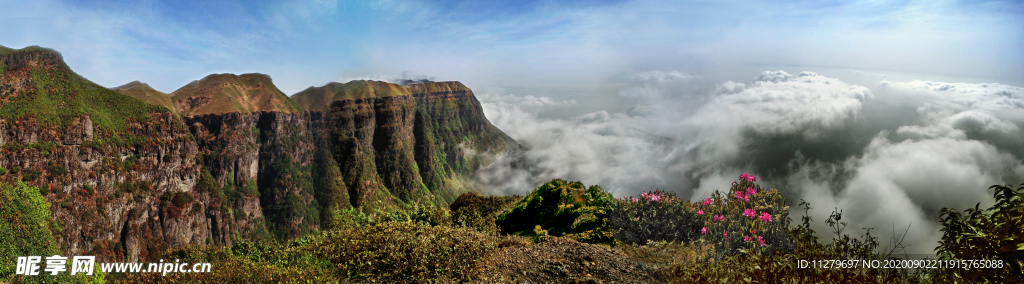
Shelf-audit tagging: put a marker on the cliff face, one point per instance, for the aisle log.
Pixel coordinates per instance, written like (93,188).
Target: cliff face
(235,157)
(118,173)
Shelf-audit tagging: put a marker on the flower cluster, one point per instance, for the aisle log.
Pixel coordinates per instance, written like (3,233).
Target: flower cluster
(653,196)
(749,213)
(747,177)
(766,217)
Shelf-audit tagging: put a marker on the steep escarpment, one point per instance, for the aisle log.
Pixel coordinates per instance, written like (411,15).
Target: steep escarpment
(117,172)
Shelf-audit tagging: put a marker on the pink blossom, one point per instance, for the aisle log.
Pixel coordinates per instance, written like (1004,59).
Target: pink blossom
(719,218)
(753,232)
(766,217)
(753,178)
(700,212)
(704,230)
(707,201)
(739,195)
(746,238)
(751,191)
(744,176)
(760,240)
(749,213)
(725,234)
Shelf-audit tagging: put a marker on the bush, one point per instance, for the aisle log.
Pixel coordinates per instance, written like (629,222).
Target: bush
(3,171)
(472,210)
(993,234)
(394,252)
(655,216)
(562,209)
(244,262)
(748,218)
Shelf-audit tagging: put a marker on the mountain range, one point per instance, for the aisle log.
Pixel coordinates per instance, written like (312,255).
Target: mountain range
(129,171)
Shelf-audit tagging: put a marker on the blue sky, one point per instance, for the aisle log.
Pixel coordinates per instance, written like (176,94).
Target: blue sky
(571,47)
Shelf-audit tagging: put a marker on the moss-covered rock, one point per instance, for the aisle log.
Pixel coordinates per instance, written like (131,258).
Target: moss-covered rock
(563,209)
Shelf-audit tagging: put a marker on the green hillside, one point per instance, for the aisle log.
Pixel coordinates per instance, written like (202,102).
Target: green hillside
(35,82)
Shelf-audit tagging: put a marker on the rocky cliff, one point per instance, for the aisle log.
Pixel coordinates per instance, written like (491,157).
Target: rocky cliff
(126,176)
(118,173)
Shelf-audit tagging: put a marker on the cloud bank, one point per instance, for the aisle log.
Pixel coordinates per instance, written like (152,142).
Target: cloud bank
(891,156)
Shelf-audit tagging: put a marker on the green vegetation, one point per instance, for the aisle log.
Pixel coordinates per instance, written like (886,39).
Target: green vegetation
(472,210)
(992,234)
(59,95)
(25,230)
(562,208)
(655,216)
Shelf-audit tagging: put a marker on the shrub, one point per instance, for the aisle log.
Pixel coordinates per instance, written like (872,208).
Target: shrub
(655,216)
(243,262)
(473,210)
(394,252)
(562,208)
(993,234)
(3,171)
(747,218)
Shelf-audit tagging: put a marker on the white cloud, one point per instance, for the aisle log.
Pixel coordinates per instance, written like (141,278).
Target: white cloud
(808,135)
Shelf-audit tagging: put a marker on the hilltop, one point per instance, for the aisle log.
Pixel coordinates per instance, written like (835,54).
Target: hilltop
(320,98)
(144,92)
(224,93)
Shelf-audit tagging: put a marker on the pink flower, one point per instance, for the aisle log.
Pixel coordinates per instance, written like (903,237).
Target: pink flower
(704,230)
(700,212)
(744,176)
(753,232)
(719,218)
(751,191)
(739,195)
(746,238)
(707,201)
(753,178)
(749,213)
(766,217)
(760,240)
(725,234)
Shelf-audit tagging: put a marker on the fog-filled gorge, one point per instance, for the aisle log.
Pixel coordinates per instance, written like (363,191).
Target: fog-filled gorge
(890,155)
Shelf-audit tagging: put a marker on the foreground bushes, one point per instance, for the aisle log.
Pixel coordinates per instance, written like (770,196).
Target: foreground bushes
(996,233)
(403,252)
(747,218)
(655,216)
(472,210)
(561,208)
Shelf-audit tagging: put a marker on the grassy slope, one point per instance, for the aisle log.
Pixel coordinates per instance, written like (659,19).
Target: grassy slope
(146,93)
(235,93)
(57,94)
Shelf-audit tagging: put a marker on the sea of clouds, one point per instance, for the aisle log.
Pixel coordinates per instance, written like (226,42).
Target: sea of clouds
(891,156)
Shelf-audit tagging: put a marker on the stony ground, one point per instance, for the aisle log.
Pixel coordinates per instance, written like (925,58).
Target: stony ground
(561,260)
